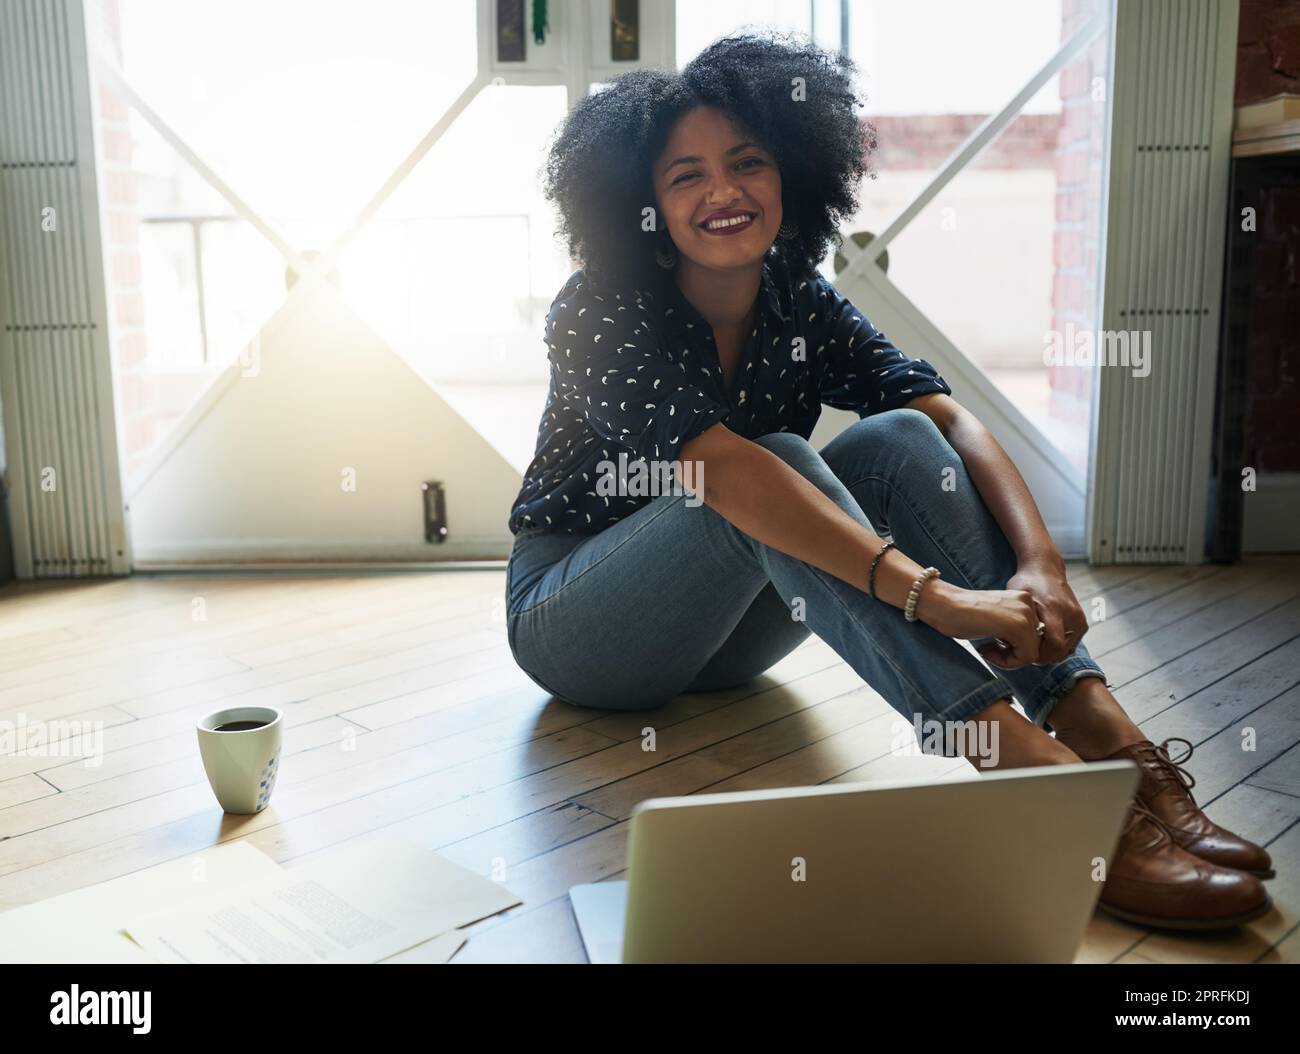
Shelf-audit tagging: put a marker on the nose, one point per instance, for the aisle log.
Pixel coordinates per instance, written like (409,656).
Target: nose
(723,191)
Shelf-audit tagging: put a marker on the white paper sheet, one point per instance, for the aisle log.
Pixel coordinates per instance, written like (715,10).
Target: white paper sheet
(363,902)
(84,926)
(430,953)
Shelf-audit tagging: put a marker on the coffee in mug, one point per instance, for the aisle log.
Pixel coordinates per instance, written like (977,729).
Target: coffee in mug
(240,748)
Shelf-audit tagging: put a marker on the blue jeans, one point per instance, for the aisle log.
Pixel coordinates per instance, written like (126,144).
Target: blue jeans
(674,598)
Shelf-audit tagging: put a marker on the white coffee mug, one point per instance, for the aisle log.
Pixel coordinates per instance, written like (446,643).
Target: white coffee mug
(242,765)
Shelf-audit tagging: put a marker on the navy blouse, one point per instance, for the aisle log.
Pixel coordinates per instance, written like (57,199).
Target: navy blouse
(636,372)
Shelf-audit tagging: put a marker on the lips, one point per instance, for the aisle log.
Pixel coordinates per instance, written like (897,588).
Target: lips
(732,221)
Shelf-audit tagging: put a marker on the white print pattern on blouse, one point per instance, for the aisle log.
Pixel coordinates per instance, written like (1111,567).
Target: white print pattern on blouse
(650,348)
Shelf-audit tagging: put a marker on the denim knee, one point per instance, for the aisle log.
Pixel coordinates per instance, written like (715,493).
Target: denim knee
(786,444)
(915,424)
(800,455)
(806,459)
(903,429)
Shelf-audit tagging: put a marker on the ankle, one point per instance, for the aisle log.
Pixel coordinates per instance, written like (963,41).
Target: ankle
(1090,722)
(1017,742)
(1032,755)
(1093,746)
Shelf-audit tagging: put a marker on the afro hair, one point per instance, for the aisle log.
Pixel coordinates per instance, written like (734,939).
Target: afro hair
(793,98)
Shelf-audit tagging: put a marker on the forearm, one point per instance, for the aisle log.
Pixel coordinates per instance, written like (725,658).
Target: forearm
(1004,491)
(769,501)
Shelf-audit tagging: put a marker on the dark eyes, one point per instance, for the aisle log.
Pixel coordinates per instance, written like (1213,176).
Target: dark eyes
(740,165)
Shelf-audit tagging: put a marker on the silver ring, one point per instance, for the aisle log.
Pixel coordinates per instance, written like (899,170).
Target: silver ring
(1041,629)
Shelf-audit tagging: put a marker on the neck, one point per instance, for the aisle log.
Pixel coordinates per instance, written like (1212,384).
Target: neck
(726,299)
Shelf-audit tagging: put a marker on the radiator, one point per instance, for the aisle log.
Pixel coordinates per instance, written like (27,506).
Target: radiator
(56,386)
(1173,66)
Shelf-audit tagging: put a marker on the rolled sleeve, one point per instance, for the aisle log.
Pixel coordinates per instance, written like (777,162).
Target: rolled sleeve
(862,371)
(609,367)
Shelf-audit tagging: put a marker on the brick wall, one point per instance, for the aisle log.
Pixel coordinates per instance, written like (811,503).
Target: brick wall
(1268,62)
(1076,240)
(923,142)
(137,384)
(1268,49)
(1273,381)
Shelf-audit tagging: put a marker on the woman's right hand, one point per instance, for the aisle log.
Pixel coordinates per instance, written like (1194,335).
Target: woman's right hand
(1006,614)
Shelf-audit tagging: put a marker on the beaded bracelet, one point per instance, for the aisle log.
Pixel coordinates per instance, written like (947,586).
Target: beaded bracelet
(910,609)
(871,576)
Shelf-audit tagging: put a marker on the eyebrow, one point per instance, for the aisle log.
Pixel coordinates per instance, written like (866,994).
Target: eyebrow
(693,160)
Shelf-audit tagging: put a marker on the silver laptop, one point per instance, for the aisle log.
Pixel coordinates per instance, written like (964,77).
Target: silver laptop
(1004,867)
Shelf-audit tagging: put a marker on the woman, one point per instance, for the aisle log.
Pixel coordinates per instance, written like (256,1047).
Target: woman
(699,334)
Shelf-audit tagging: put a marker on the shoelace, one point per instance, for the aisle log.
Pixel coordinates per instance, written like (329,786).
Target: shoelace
(1175,768)
(1138,811)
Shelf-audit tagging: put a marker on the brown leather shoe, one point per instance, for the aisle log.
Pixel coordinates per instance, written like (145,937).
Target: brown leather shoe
(1166,790)
(1154,882)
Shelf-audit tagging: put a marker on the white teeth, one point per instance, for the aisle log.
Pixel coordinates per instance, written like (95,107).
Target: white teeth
(715,225)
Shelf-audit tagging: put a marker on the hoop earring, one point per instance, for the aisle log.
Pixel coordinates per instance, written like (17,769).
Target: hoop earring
(666,258)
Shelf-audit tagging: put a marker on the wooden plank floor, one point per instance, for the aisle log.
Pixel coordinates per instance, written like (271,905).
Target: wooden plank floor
(405,711)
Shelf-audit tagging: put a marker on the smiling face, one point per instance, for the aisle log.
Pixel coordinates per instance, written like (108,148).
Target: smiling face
(718,191)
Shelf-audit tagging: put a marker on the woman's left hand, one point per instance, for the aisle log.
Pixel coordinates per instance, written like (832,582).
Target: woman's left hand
(1058,608)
